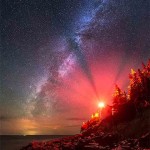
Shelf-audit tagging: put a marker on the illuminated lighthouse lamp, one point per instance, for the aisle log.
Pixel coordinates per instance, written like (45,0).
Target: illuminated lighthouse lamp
(101,104)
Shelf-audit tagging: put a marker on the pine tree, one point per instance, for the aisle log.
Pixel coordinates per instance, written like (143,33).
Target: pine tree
(139,88)
(119,97)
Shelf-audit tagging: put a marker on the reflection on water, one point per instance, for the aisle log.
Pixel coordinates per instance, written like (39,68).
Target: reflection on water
(15,142)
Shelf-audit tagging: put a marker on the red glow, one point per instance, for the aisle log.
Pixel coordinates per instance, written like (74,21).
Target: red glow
(75,91)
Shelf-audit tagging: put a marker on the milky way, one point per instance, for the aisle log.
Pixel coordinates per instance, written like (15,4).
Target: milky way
(60,58)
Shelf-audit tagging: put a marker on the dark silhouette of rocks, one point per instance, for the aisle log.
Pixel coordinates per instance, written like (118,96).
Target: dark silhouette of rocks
(125,127)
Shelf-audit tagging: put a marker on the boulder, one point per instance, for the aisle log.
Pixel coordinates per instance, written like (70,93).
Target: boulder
(144,141)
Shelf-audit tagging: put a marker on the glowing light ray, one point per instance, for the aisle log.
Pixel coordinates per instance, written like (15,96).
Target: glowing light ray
(83,63)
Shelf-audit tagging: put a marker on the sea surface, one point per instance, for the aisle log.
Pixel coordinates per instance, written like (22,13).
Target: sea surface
(16,142)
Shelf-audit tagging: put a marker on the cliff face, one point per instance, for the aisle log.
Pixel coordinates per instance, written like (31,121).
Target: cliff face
(128,127)
(102,135)
(137,127)
(133,128)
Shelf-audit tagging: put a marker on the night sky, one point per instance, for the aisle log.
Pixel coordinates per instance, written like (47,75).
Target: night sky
(60,57)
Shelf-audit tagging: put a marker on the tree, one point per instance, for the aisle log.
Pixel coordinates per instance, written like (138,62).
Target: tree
(119,97)
(139,88)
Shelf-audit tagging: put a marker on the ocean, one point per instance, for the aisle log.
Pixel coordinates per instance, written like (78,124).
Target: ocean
(16,142)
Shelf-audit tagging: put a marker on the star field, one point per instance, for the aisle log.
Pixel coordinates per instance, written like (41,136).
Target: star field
(60,57)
